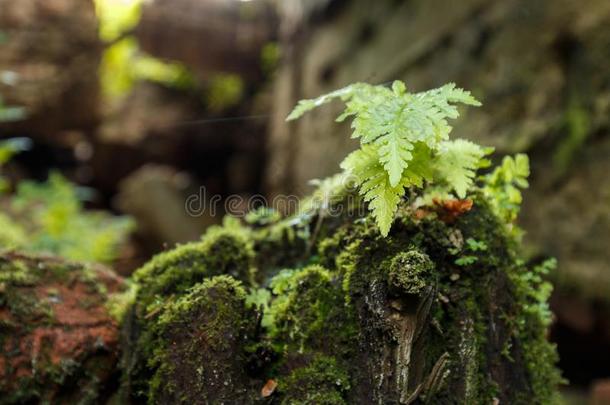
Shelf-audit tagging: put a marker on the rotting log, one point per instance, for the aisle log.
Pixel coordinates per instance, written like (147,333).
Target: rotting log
(59,340)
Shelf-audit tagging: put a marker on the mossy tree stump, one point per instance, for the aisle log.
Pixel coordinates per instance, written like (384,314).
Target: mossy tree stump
(440,311)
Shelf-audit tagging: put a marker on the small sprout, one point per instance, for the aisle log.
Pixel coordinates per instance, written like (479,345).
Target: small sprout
(465,260)
(475,245)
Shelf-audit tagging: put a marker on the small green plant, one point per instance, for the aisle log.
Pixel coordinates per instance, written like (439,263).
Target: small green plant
(502,186)
(404,140)
(49,217)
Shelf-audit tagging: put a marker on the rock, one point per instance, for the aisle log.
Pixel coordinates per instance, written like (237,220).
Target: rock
(59,340)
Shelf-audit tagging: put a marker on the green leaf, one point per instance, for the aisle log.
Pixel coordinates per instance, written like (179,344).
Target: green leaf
(304,106)
(457,162)
(374,185)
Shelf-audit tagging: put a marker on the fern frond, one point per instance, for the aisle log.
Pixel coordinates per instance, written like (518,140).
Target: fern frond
(395,119)
(404,141)
(364,168)
(304,106)
(457,162)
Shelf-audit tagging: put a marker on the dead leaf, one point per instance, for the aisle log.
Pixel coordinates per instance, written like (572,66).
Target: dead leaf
(450,210)
(268,388)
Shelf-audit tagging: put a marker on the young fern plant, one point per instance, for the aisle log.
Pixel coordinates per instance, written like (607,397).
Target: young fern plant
(404,142)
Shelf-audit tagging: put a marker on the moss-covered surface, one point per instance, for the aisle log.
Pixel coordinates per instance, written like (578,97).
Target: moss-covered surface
(59,342)
(163,285)
(200,344)
(440,311)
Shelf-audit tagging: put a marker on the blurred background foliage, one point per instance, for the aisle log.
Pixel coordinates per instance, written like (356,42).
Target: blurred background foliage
(123,63)
(49,217)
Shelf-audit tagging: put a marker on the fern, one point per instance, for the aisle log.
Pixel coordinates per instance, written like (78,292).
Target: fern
(457,161)
(502,186)
(404,141)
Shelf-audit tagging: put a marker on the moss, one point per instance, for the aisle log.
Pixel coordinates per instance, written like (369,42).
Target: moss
(119,303)
(321,382)
(170,276)
(229,250)
(531,329)
(308,303)
(223,250)
(170,272)
(198,350)
(410,272)
(345,307)
(55,335)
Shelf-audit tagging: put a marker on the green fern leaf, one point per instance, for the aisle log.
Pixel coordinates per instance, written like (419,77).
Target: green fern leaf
(365,170)
(404,142)
(304,106)
(457,162)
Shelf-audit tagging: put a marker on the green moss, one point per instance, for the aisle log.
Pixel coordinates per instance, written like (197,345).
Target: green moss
(308,303)
(229,250)
(171,272)
(321,382)
(410,272)
(223,250)
(168,277)
(119,303)
(341,309)
(198,349)
(531,329)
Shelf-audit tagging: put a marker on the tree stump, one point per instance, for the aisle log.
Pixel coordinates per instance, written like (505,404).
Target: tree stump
(320,309)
